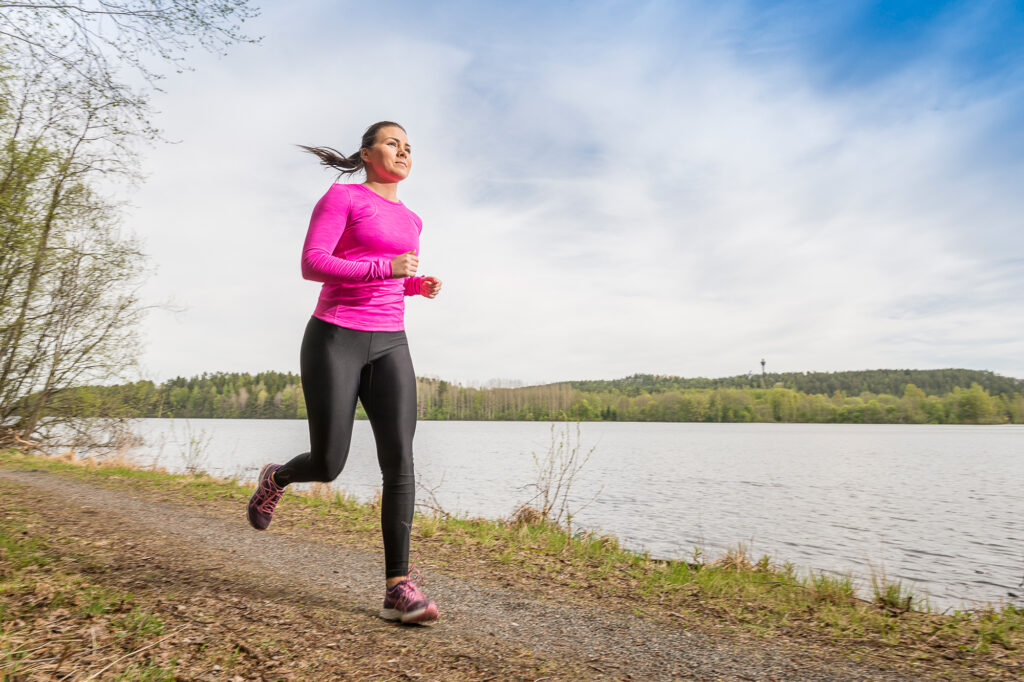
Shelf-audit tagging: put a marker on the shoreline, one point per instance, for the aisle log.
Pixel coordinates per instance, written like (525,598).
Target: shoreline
(702,498)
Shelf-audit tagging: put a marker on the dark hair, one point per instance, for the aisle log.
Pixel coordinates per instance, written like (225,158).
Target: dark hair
(332,158)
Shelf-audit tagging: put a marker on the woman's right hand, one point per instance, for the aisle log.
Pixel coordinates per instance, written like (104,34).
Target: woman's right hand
(405,265)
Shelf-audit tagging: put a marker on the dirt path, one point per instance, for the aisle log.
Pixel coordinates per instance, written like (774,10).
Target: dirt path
(317,603)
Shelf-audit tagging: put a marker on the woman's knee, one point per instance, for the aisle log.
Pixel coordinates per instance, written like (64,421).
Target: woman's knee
(326,470)
(399,471)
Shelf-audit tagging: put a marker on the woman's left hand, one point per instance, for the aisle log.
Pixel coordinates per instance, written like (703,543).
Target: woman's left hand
(430,287)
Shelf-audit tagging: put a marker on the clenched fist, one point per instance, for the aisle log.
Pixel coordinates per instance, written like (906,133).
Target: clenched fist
(404,265)
(430,287)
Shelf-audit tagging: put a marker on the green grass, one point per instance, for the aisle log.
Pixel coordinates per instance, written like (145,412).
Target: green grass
(146,672)
(892,595)
(95,601)
(20,553)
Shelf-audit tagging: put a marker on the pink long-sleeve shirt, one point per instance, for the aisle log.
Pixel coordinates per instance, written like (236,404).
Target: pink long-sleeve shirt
(353,236)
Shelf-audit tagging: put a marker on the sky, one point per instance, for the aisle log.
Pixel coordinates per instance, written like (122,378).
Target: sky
(610,188)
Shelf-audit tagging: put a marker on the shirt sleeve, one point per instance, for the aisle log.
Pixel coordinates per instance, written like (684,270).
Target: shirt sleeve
(319,264)
(412,285)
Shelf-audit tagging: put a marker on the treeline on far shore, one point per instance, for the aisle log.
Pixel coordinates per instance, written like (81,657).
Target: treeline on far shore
(914,397)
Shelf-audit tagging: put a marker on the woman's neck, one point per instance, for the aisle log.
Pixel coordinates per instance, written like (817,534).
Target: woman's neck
(388,190)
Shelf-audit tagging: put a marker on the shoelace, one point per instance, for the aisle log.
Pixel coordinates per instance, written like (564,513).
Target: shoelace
(270,494)
(414,571)
(409,592)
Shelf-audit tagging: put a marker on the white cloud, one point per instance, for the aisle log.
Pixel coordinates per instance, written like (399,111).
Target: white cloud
(594,219)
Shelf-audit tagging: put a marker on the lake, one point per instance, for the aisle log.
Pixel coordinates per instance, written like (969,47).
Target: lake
(940,508)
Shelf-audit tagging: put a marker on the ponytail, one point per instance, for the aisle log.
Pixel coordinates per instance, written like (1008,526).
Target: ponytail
(332,158)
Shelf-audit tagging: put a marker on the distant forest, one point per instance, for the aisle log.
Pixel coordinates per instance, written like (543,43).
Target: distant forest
(942,396)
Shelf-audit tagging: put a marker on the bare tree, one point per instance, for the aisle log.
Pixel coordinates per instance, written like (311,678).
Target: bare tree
(69,275)
(97,42)
(556,475)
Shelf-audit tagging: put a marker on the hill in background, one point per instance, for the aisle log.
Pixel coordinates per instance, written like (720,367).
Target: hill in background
(935,382)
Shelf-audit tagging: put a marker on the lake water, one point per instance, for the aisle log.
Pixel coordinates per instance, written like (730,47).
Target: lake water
(939,507)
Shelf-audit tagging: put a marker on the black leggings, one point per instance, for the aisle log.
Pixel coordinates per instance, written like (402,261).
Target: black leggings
(338,365)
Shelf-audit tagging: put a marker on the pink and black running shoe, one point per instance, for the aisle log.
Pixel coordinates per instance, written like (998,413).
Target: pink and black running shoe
(404,602)
(262,503)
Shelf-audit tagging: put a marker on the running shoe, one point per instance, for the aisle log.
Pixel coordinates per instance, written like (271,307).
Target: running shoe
(262,503)
(404,602)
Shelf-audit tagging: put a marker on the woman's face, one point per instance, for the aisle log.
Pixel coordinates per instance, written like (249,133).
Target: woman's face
(390,157)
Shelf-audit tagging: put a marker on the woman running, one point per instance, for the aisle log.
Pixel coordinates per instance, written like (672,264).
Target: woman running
(362,244)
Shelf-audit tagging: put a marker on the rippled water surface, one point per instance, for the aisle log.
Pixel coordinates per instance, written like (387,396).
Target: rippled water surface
(939,507)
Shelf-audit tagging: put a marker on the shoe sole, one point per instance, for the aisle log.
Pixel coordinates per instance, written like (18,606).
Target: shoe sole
(425,615)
